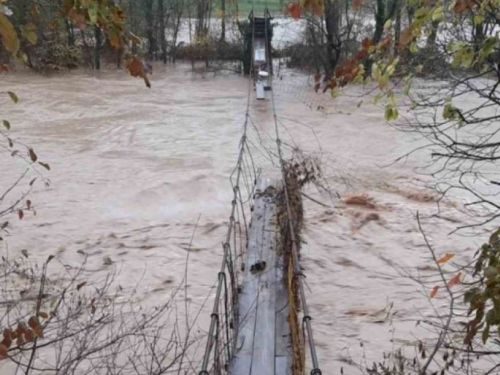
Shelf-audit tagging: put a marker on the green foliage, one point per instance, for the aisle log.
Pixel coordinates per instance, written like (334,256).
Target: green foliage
(483,298)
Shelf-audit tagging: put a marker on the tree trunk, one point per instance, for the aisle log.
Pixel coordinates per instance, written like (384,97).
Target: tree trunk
(202,13)
(178,20)
(150,29)
(479,36)
(223,21)
(333,20)
(397,30)
(380,19)
(97,49)
(163,40)
(71,35)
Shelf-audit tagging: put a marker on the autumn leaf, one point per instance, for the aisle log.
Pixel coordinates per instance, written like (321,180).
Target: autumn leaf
(29,335)
(93,13)
(33,322)
(34,12)
(295,10)
(317,7)
(367,43)
(7,341)
(30,32)
(81,285)
(43,315)
(6,124)
(463,5)
(445,258)
(39,331)
(9,36)
(13,97)
(434,292)
(385,43)
(404,38)
(135,67)
(454,280)
(20,213)
(114,39)
(45,165)
(134,38)
(118,15)
(77,18)
(28,204)
(138,69)
(3,351)
(33,156)
(356,4)
(361,55)
(4,68)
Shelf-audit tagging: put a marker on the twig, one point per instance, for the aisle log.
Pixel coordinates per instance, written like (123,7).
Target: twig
(446,327)
(314,200)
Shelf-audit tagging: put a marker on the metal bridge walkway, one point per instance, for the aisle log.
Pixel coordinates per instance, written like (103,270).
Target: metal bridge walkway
(262,346)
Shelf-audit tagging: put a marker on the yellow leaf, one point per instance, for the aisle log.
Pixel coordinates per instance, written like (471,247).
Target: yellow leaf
(13,96)
(434,292)
(445,258)
(114,39)
(438,14)
(9,36)
(30,33)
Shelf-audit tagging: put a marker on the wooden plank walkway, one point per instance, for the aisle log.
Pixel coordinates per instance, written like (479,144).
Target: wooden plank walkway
(263,337)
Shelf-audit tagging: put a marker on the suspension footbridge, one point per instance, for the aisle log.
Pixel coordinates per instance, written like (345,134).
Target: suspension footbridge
(260,322)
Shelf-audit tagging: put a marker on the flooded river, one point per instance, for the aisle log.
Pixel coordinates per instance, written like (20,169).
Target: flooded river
(133,169)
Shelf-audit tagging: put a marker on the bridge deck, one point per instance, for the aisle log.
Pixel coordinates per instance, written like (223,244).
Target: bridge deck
(263,338)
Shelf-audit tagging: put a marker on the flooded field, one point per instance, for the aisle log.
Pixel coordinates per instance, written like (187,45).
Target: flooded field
(133,170)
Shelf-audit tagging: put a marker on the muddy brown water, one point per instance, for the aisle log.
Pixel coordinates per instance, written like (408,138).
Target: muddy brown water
(132,169)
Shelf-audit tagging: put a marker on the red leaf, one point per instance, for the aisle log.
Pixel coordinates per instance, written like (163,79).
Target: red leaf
(295,10)
(29,335)
(434,292)
(33,322)
(135,67)
(39,332)
(356,4)
(454,280)
(7,341)
(28,204)
(3,351)
(367,43)
(43,315)
(346,72)
(404,38)
(386,42)
(361,55)
(330,85)
(77,18)
(20,214)
(463,5)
